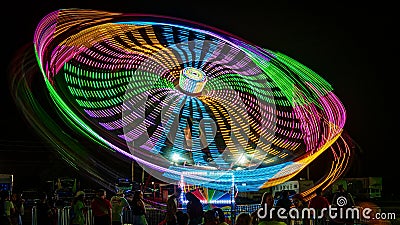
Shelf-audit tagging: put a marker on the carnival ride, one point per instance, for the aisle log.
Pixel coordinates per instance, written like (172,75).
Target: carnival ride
(188,102)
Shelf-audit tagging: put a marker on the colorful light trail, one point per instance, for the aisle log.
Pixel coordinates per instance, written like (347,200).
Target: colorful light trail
(187,100)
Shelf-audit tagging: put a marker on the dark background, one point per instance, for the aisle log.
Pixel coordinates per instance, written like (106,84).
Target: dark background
(352,46)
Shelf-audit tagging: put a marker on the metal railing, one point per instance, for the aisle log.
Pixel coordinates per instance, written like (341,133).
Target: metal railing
(61,216)
(154,216)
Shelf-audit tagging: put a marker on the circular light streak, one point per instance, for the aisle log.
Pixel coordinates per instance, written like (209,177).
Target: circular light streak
(188,102)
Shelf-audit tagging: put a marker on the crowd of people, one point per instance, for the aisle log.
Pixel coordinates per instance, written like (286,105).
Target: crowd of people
(318,206)
(11,208)
(194,214)
(110,211)
(267,214)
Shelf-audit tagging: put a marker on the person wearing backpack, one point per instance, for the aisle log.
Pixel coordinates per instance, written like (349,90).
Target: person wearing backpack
(78,209)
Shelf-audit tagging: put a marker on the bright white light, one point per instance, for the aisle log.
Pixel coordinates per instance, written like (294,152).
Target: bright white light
(176,157)
(243,160)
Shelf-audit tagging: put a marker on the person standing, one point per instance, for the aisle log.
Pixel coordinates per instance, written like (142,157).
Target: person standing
(139,209)
(211,218)
(264,215)
(119,203)
(299,204)
(267,202)
(101,208)
(172,207)
(16,218)
(44,211)
(174,199)
(342,200)
(194,209)
(79,209)
(6,208)
(319,202)
(284,201)
(221,216)
(243,218)
(182,218)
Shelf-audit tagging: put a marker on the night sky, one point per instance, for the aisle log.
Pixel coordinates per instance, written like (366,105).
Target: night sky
(353,47)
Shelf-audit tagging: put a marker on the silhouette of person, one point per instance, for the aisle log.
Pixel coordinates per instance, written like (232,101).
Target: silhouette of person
(194,209)
(221,216)
(6,208)
(16,217)
(79,208)
(119,204)
(182,218)
(319,202)
(267,202)
(268,217)
(210,217)
(299,204)
(139,209)
(44,211)
(265,215)
(172,207)
(284,201)
(101,208)
(342,200)
(243,218)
